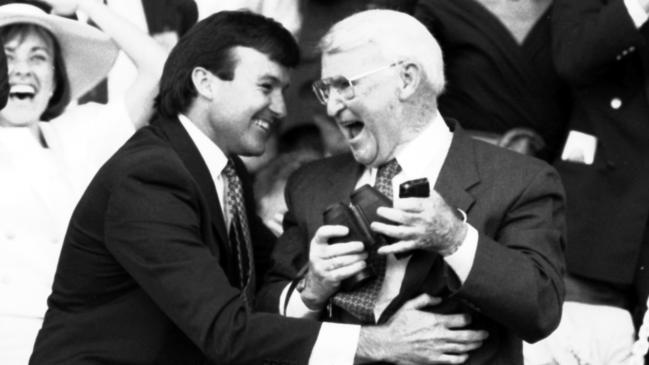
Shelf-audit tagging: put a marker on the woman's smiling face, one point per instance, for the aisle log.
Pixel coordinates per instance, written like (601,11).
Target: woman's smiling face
(30,64)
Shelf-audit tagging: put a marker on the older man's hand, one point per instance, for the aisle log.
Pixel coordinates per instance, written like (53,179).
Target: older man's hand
(422,223)
(330,264)
(414,336)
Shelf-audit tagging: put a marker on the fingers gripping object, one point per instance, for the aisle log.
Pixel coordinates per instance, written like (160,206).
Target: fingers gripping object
(359,213)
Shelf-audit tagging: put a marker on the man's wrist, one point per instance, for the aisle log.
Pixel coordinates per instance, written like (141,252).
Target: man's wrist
(309,298)
(457,235)
(371,347)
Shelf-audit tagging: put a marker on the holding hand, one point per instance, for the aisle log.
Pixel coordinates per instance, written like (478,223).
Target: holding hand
(422,223)
(413,336)
(330,264)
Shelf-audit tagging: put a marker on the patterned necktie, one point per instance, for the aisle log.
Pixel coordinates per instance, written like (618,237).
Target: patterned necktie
(360,301)
(242,243)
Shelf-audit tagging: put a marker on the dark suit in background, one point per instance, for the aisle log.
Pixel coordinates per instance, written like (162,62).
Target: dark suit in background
(494,82)
(605,57)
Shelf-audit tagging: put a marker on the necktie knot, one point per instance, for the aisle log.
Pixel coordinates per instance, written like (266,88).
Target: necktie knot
(229,172)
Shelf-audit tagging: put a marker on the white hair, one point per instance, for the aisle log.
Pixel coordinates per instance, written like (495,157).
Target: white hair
(397,35)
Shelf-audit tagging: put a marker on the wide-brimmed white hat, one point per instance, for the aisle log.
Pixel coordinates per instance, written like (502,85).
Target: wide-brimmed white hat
(87,52)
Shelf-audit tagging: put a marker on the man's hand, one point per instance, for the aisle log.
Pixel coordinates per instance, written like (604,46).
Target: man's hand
(423,223)
(330,264)
(413,336)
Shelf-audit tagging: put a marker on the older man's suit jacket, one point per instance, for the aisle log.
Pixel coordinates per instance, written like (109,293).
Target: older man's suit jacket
(605,58)
(147,275)
(514,289)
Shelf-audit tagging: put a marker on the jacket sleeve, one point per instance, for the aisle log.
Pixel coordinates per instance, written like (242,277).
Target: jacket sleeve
(516,278)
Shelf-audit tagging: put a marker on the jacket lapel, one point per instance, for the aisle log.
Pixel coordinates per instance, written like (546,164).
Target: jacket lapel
(188,153)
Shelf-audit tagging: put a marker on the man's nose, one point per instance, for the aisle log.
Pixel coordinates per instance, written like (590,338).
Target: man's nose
(334,103)
(278,105)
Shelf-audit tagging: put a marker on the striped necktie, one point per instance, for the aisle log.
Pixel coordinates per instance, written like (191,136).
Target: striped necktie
(241,245)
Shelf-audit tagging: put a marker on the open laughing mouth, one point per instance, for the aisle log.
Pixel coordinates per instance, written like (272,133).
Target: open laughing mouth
(352,129)
(22,92)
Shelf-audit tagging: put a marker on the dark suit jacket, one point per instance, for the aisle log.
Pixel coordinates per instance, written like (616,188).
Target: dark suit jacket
(514,289)
(146,275)
(605,58)
(493,83)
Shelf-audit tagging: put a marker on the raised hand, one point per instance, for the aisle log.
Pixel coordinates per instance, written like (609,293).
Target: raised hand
(422,223)
(64,7)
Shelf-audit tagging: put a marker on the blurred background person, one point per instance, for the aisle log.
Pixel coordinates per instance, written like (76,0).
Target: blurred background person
(502,85)
(165,20)
(601,48)
(286,12)
(48,152)
(296,147)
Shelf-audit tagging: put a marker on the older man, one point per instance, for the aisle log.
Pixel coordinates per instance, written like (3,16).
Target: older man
(488,241)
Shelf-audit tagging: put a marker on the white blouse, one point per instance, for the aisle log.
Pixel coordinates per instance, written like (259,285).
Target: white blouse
(39,188)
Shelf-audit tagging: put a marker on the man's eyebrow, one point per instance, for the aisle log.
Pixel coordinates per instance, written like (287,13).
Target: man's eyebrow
(273,80)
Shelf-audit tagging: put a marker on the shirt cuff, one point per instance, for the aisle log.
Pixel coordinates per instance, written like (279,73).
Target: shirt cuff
(295,307)
(336,344)
(461,261)
(637,13)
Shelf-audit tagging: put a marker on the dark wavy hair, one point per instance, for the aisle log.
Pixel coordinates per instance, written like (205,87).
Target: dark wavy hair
(209,44)
(61,96)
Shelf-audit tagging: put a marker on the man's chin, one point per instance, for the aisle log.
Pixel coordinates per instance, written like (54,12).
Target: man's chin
(362,158)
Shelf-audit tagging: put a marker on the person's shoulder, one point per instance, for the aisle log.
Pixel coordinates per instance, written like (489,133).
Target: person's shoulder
(145,155)
(498,161)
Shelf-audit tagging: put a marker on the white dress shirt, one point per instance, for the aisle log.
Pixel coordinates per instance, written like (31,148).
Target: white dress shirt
(214,158)
(421,157)
(637,12)
(39,188)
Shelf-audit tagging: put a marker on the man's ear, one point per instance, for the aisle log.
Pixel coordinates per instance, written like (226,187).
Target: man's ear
(203,82)
(410,75)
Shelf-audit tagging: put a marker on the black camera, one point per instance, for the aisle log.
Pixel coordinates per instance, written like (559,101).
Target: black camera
(357,215)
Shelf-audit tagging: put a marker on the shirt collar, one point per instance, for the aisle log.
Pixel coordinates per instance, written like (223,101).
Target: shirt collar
(213,156)
(428,150)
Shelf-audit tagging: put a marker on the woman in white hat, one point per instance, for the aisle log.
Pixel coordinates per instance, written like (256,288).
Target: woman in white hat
(49,151)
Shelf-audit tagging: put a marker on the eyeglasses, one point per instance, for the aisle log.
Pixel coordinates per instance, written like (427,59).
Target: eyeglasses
(343,85)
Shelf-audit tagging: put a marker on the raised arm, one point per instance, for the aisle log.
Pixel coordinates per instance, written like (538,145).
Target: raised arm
(147,55)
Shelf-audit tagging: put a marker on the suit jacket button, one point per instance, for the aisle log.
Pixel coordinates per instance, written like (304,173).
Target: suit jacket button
(616,103)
